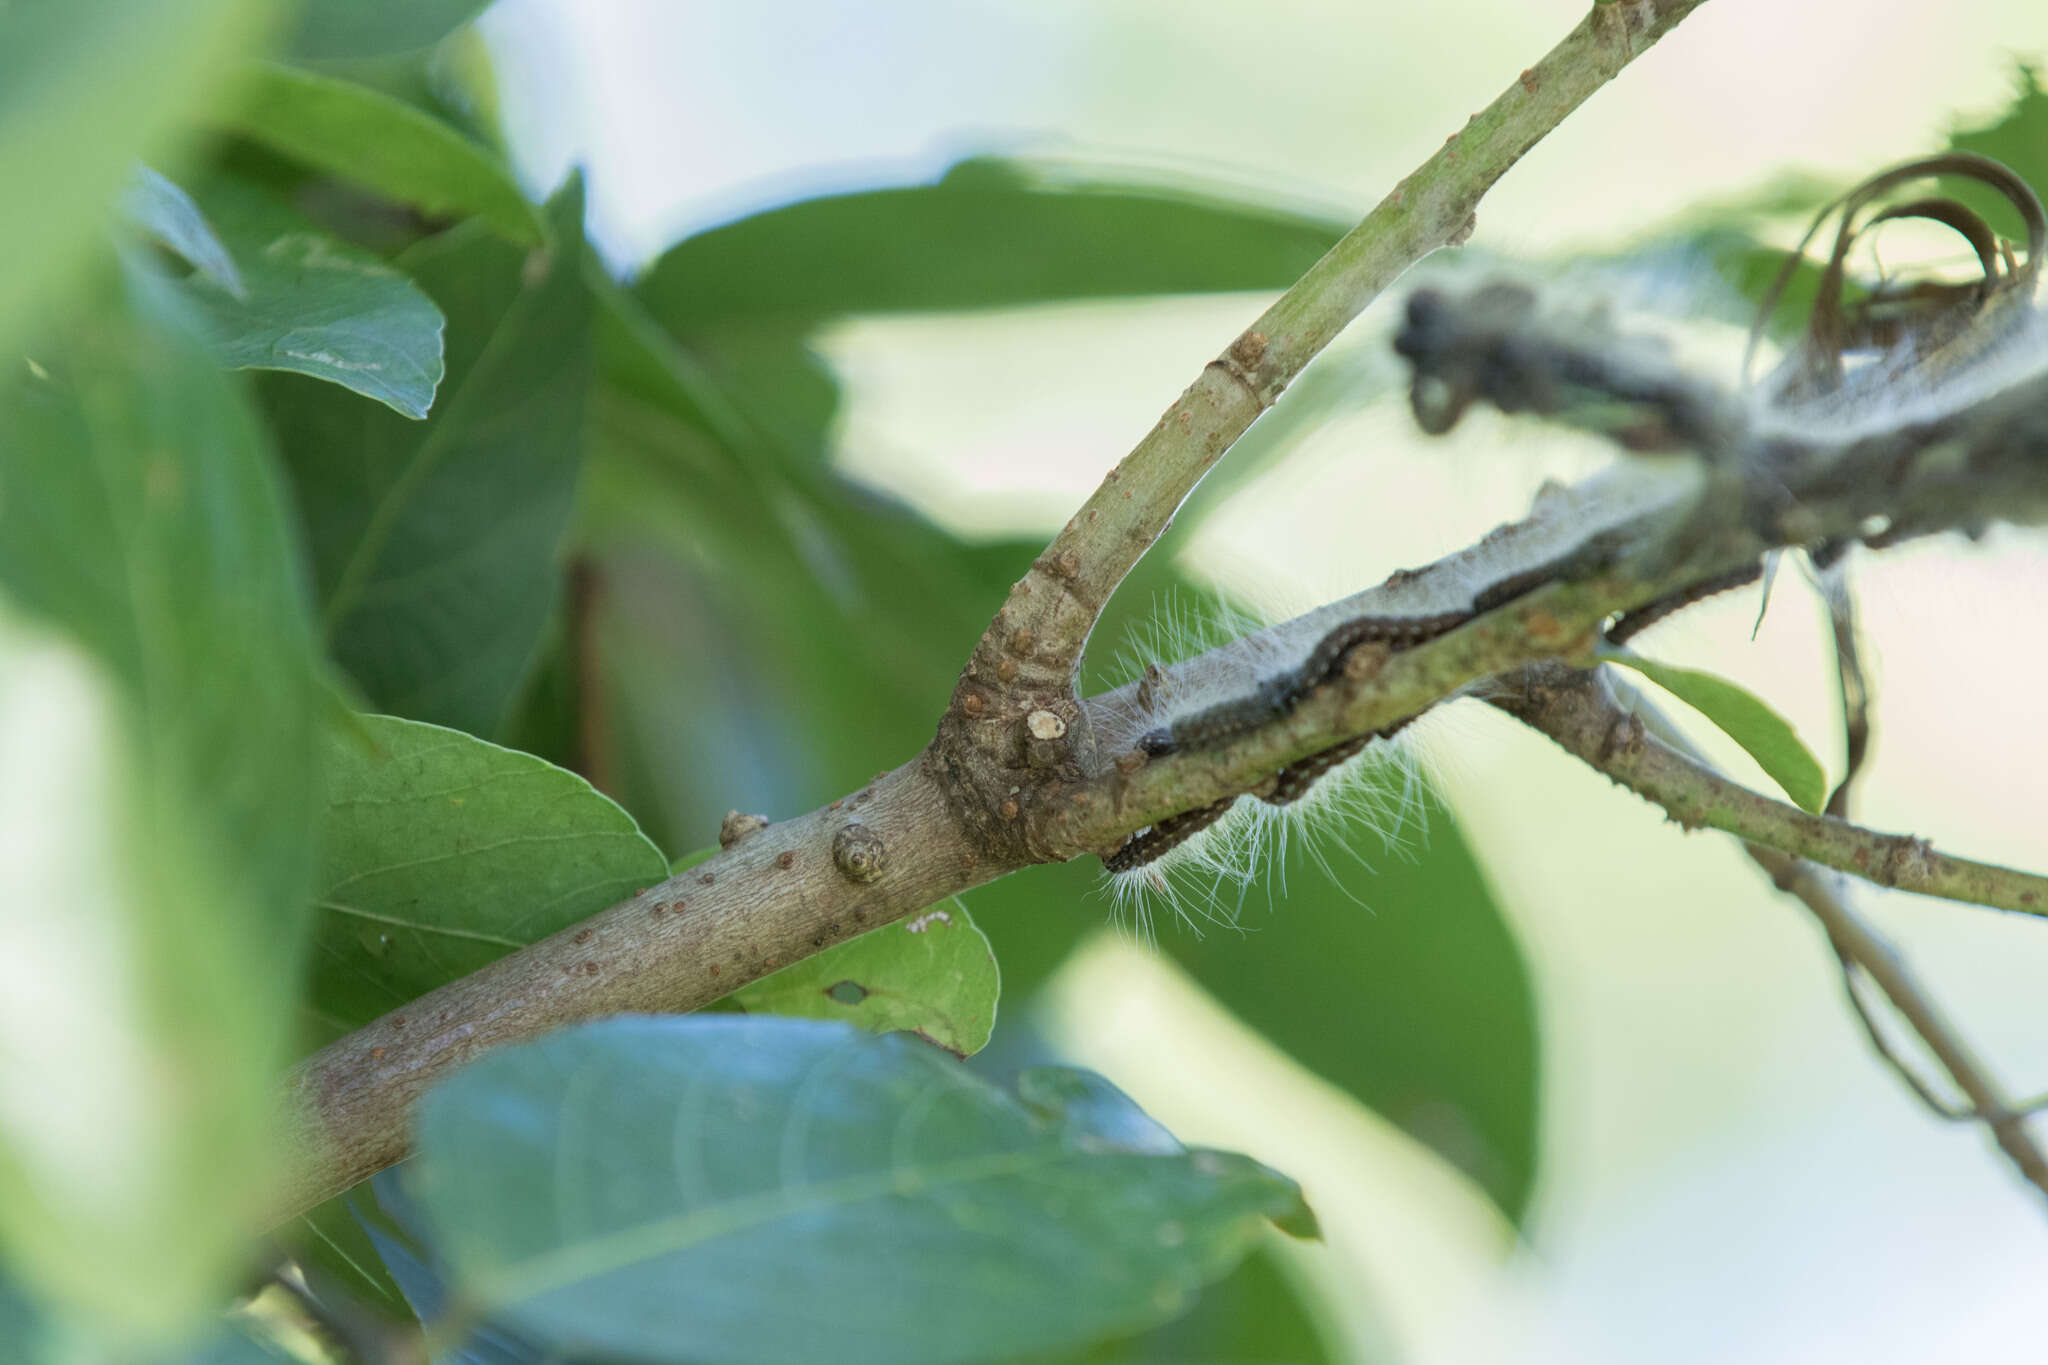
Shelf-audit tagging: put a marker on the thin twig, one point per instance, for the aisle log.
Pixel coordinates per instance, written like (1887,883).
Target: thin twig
(1578,709)
(1855,692)
(1574,708)
(593,740)
(1881,1043)
(1857,943)
(1029,656)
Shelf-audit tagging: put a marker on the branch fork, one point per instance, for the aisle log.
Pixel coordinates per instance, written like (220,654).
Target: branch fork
(1017,773)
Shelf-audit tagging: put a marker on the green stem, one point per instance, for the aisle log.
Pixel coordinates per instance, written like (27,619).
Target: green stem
(1573,708)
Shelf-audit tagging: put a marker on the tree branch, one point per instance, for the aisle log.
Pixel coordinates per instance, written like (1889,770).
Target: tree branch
(1027,662)
(1575,708)
(1579,710)
(947,820)
(1861,949)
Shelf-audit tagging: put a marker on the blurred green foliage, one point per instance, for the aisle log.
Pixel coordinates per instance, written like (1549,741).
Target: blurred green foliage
(599,522)
(728,1188)
(602,523)
(481,487)
(143,534)
(435,543)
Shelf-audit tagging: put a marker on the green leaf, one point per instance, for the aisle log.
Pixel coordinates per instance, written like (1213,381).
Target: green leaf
(167,213)
(1745,718)
(330,30)
(932,975)
(1256,1315)
(991,233)
(136,1061)
(1391,974)
(443,852)
(159,770)
(328,1241)
(316,306)
(435,544)
(742,1189)
(392,1220)
(92,86)
(639,360)
(1750,266)
(2018,137)
(139,511)
(820,624)
(744,298)
(229,1346)
(34,1338)
(365,136)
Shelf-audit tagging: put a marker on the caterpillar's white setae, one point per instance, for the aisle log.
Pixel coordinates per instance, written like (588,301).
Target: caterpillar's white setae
(1205,880)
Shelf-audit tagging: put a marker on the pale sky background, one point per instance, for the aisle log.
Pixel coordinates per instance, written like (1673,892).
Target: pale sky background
(1731,1174)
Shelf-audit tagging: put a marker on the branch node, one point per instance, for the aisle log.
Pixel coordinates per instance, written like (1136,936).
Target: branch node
(1624,739)
(737,826)
(1242,361)
(859,853)
(1908,855)
(1045,739)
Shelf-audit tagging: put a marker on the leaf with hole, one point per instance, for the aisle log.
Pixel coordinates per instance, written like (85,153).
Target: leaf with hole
(932,974)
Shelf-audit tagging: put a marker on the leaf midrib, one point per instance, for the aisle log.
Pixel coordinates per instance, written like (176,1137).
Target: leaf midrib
(377,531)
(598,1255)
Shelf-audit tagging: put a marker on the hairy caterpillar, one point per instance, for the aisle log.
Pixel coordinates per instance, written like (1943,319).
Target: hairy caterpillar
(1261,677)
(1942,349)
(1202,863)
(1263,674)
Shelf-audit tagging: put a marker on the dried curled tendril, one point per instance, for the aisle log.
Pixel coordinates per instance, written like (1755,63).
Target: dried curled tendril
(1940,324)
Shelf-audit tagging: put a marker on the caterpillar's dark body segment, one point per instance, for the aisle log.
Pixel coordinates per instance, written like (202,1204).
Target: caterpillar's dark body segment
(1163,837)
(1278,695)
(1293,781)
(1326,660)
(1225,721)
(1290,785)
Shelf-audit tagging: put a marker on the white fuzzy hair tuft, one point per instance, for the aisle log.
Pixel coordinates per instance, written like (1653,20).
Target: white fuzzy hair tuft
(1207,881)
